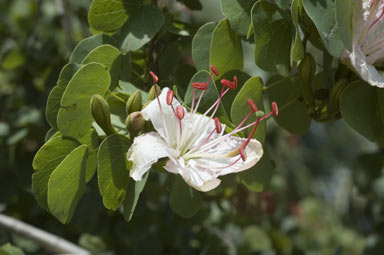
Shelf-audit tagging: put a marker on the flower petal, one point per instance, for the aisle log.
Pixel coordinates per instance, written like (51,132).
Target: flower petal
(366,71)
(200,180)
(145,151)
(163,120)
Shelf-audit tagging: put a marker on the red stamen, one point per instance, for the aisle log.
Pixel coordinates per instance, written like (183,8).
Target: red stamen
(275,109)
(170,95)
(377,20)
(200,85)
(214,70)
(243,155)
(154,77)
(234,82)
(180,112)
(227,83)
(218,125)
(252,105)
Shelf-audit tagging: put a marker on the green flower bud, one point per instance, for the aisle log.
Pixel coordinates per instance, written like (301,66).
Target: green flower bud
(152,93)
(134,102)
(101,114)
(135,123)
(307,70)
(260,114)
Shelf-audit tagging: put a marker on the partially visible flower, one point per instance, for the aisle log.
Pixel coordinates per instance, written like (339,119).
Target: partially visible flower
(195,144)
(367,41)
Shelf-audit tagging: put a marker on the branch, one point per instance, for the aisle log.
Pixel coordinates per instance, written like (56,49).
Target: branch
(47,240)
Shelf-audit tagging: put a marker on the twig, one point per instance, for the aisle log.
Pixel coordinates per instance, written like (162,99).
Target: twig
(47,240)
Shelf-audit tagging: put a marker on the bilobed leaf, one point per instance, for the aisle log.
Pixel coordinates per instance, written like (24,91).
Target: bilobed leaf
(226,51)
(252,89)
(74,118)
(67,73)
(293,113)
(108,16)
(46,160)
(259,176)
(53,105)
(361,110)
(113,170)
(67,184)
(344,12)
(141,27)
(88,44)
(132,196)
(91,140)
(273,38)
(184,200)
(323,14)
(201,46)
(238,14)
(210,95)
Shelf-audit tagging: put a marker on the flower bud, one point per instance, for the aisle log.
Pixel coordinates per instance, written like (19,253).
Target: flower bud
(134,102)
(152,93)
(307,70)
(135,123)
(101,114)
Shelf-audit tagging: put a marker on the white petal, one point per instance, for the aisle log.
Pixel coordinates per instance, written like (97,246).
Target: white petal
(200,180)
(366,71)
(145,151)
(164,120)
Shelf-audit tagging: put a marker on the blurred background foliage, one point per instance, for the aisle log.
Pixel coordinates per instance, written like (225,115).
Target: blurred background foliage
(326,195)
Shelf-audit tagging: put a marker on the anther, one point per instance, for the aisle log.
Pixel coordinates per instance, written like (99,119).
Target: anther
(275,109)
(214,70)
(200,85)
(180,112)
(154,77)
(170,95)
(218,125)
(227,83)
(242,153)
(252,105)
(234,82)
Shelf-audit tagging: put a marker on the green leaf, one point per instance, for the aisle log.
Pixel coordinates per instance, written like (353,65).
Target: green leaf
(67,73)
(104,54)
(53,105)
(273,38)
(283,4)
(13,60)
(67,184)
(360,108)
(132,196)
(113,170)
(259,177)
(108,56)
(9,249)
(201,46)
(184,200)
(238,14)
(74,118)
(297,50)
(210,95)
(293,113)
(91,139)
(344,12)
(141,27)
(323,14)
(88,44)
(50,155)
(226,51)
(252,89)
(107,15)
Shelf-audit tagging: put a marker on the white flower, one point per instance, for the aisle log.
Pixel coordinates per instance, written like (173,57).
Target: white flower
(195,144)
(367,41)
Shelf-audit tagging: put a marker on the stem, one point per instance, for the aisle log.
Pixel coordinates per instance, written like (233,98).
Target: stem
(47,240)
